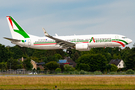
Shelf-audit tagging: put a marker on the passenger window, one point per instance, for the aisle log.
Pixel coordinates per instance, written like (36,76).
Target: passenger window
(124,37)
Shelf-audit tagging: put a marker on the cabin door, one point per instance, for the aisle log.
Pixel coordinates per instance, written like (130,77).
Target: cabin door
(29,42)
(116,37)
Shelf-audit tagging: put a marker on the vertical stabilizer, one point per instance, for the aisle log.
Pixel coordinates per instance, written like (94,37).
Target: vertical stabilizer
(16,31)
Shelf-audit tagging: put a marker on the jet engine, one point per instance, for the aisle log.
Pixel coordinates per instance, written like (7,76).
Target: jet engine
(82,47)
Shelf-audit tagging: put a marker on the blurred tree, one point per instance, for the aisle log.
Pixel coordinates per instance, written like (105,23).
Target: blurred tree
(83,66)
(116,56)
(114,68)
(27,64)
(97,62)
(45,60)
(61,52)
(17,53)
(58,56)
(109,67)
(3,66)
(38,68)
(67,68)
(62,68)
(52,65)
(35,59)
(125,52)
(52,58)
(130,61)
(4,53)
(39,53)
(13,64)
(29,51)
(75,56)
(58,70)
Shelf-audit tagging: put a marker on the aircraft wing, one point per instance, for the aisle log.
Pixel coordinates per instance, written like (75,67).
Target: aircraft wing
(62,43)
(11,39)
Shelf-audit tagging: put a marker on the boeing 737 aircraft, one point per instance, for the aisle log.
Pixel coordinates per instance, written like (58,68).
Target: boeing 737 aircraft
(78,42)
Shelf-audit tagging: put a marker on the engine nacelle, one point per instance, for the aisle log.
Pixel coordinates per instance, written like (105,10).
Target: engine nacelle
(82,47)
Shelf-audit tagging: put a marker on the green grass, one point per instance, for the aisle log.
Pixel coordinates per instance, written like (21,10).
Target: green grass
(79,82)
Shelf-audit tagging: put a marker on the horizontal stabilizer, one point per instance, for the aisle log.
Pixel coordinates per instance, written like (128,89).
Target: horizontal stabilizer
(11,39)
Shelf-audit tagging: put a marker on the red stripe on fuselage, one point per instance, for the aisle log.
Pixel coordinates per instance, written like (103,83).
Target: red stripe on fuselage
(119,43)
(84,42)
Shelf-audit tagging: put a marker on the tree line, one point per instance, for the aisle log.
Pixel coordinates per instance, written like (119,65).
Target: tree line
(96,59)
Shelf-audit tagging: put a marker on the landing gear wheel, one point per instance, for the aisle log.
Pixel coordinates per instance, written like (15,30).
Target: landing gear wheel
(69,51)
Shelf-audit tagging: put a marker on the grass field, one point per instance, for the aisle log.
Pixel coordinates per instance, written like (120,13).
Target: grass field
(67,82)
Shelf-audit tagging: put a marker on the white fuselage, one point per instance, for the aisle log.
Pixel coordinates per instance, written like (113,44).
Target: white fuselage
(99,40)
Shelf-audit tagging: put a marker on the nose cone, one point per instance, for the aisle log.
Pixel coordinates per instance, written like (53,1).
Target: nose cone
(129,41)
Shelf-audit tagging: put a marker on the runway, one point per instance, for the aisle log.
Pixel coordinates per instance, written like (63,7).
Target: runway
(67,75)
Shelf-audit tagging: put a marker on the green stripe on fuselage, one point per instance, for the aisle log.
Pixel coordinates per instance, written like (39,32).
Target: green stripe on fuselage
(119,40)
(43,42)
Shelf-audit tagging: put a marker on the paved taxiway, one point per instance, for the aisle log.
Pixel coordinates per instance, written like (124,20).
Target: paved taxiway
(68,75)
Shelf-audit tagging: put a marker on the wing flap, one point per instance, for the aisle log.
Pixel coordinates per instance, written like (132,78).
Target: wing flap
(63,43)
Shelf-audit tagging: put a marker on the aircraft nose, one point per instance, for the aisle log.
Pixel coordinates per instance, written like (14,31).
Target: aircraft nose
(129,41)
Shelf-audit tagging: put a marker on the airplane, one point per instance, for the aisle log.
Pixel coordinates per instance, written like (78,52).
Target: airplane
(78,42)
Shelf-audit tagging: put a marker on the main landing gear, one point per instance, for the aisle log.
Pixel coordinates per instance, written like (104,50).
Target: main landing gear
(69,51)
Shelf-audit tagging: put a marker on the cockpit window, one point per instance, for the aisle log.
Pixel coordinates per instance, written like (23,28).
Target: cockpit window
(124,37)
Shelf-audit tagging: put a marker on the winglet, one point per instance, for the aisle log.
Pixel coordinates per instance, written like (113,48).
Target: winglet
(56,34)
(46,34)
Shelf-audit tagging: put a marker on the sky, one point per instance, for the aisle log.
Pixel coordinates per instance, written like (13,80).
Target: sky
(69,17)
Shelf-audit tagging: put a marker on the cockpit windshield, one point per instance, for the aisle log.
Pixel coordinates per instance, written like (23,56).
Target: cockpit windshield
(124,37)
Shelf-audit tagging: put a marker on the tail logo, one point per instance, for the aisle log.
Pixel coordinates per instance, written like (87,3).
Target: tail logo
(17,28)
